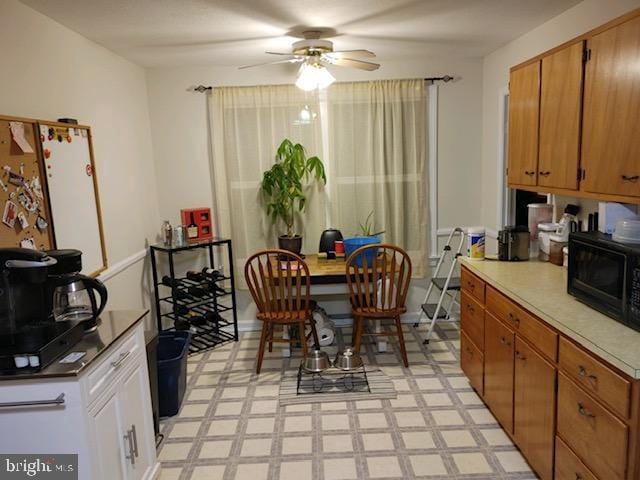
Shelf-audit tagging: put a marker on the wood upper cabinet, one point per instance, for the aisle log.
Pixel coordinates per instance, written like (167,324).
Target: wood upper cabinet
(560,114)
(524,110)
(498,370)
(611,123)
(534,408)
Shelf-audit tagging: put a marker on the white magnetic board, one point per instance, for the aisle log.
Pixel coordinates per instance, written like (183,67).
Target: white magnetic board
(73,193)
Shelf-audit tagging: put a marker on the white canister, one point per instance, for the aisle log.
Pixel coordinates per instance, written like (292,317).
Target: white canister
(475,249)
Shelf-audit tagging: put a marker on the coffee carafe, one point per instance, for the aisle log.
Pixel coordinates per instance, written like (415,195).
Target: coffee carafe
(72,294)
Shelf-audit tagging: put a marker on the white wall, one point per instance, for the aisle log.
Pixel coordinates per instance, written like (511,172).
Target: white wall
(48,72)
(573,22)
(179,132)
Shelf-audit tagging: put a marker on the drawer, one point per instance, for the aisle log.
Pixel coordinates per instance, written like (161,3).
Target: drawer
(472,363)
(595,377)
(597,437)
(568,466)
(472,319)
(525,324)
(119,356)
(472,285)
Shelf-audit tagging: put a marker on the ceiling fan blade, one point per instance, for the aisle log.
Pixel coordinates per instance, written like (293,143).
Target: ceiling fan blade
(280,53)
(288,60)
(350,62)
(351,53)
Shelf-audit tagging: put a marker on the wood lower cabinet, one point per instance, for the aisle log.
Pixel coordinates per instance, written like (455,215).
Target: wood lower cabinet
(611,137)
(534,408)
(498,370)
(568,466)
(472,363)
(524,110)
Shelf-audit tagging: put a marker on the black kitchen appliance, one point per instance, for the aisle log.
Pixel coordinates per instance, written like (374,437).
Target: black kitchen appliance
(29,338)
(71,293)
(328,240)
(605,275)
(513,243)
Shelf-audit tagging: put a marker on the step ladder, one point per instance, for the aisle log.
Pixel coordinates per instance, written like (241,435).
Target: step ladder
(448,286)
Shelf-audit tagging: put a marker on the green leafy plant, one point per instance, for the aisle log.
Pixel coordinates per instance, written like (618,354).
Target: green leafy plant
(368,226)
(283,183)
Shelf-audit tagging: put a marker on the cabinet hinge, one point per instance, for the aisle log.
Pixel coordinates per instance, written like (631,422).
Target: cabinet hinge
(586,55)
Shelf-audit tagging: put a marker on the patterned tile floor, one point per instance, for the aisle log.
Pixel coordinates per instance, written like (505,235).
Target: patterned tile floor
(231,427)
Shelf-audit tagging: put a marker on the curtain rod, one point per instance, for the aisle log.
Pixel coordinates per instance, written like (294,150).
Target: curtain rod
(444,78)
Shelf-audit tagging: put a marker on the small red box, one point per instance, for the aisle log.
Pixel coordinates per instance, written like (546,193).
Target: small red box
(201,217)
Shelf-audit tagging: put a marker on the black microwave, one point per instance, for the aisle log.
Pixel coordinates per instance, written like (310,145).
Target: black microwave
(605,275)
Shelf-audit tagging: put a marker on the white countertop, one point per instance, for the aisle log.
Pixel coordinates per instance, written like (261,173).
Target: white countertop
(541,288)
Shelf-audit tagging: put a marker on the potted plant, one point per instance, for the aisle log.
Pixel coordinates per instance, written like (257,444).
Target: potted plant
(283,185)
(367,237)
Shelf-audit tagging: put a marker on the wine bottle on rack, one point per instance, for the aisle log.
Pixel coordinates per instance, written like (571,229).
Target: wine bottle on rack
(180,294)
(197,319)
(214,317)
(212,273)
(192,228)
(170,282)
(214,288)
(181,310)
(197,291)
(196,276)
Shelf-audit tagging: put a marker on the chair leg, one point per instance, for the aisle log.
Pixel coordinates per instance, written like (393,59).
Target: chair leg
(358,328)
(303,338)
(403,348)
(271,329)
(263,340)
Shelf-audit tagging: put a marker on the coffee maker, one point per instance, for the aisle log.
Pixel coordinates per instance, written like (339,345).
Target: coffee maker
(513,243)
(30,339)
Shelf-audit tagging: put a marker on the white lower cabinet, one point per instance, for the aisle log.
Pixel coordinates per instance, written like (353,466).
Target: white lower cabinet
(109,427)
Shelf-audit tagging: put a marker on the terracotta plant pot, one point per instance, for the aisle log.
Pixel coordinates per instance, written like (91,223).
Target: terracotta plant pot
(292,244)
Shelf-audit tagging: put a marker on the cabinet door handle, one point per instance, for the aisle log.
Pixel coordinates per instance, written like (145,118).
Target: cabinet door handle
(471,285)
(529,173)
(134,434)
(54,402)
(544,174)
(519,356)
(122,358)
(585,374)
(470,308)
(584,412)
(129,439)
(504,341)
(578,476)
(514,319)
(627,178)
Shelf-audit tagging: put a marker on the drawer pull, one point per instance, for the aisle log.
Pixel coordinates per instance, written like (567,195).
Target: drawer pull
(470,308)
(514,319)
(471,285)
(59,400)
(627,178)
(519,356)
(469,351)
(123,356)
(584,412)
(585,374)
(578,476)
(544,174)
(504,341)
(529,173)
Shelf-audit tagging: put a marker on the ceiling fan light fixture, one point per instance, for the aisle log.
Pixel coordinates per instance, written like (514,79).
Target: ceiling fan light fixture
(313,76)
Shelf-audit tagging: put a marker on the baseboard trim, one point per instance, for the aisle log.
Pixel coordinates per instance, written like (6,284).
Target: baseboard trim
(122,265)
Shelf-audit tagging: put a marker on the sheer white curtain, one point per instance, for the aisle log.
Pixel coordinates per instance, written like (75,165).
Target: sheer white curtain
(248,124)
(378,150)
(372,139)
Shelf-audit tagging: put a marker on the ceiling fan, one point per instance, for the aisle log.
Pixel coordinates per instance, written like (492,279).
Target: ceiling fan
(315,54)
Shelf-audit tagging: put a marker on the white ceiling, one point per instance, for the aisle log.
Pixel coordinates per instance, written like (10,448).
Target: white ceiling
(236,32)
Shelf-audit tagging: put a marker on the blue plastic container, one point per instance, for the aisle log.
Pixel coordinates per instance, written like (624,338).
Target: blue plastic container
(173,348)
(354,243)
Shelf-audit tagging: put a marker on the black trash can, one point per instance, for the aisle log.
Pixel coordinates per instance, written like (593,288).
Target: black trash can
(172,370)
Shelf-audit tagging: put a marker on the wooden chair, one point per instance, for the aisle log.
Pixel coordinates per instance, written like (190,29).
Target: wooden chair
(378,289)
(279,283)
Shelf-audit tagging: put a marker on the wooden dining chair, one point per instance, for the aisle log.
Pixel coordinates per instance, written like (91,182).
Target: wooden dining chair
(378,278)
(279,283)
